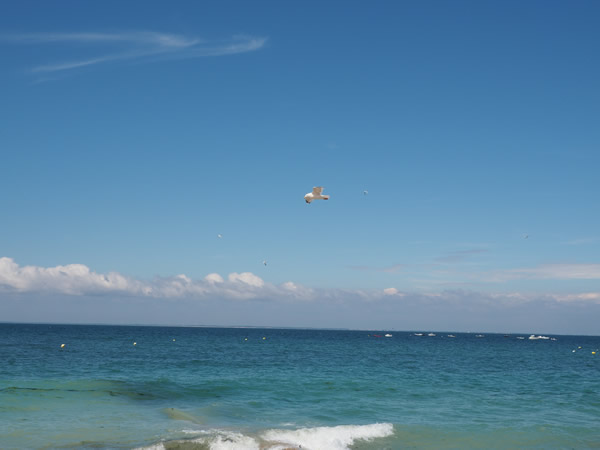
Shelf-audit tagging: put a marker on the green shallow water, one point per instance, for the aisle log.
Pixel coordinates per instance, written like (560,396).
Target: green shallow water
(230,388)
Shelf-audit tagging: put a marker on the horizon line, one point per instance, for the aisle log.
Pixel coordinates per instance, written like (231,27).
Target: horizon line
(276,327)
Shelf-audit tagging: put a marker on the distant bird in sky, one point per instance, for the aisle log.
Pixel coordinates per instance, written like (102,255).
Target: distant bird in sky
(525,236)
(316,195)
(219,236)
(365,192)
(265,262)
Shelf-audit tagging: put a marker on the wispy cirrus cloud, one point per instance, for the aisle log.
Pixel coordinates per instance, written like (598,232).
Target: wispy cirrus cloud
(387,269)
(460,255)
(583,296)
(546,272)
(583,241)
(102,48)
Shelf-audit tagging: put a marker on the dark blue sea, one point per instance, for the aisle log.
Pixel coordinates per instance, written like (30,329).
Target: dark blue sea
(249,388)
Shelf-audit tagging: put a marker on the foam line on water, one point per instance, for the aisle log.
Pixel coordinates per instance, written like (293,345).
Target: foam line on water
(340,437)
(334,438)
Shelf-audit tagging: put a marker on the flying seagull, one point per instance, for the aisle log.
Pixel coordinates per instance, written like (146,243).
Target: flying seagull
(219,236)
(315,195)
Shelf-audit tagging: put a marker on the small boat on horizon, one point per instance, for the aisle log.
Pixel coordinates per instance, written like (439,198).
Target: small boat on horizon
(534,337)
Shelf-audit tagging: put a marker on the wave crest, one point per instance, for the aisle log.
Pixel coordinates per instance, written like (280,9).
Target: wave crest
(334,438)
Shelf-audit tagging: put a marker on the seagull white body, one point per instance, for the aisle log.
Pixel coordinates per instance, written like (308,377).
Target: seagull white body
(316,194)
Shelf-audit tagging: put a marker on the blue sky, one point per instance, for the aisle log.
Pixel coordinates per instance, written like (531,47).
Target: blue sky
(133,134)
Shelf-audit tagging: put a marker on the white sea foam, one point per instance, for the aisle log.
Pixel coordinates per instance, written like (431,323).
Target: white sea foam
(318,438)
(326,438)
(228,440)
(159,446)
(215,439)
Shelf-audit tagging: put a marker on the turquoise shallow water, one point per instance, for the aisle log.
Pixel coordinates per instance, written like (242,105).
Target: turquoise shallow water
(273,388)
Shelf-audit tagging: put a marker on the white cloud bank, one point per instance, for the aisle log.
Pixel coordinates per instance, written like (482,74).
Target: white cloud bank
(79,280)
(75,294)
(102,48)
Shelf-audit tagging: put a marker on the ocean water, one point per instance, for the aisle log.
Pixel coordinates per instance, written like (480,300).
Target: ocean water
(248,388)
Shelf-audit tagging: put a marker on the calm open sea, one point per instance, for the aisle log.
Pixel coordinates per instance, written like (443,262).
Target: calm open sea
(248,388)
